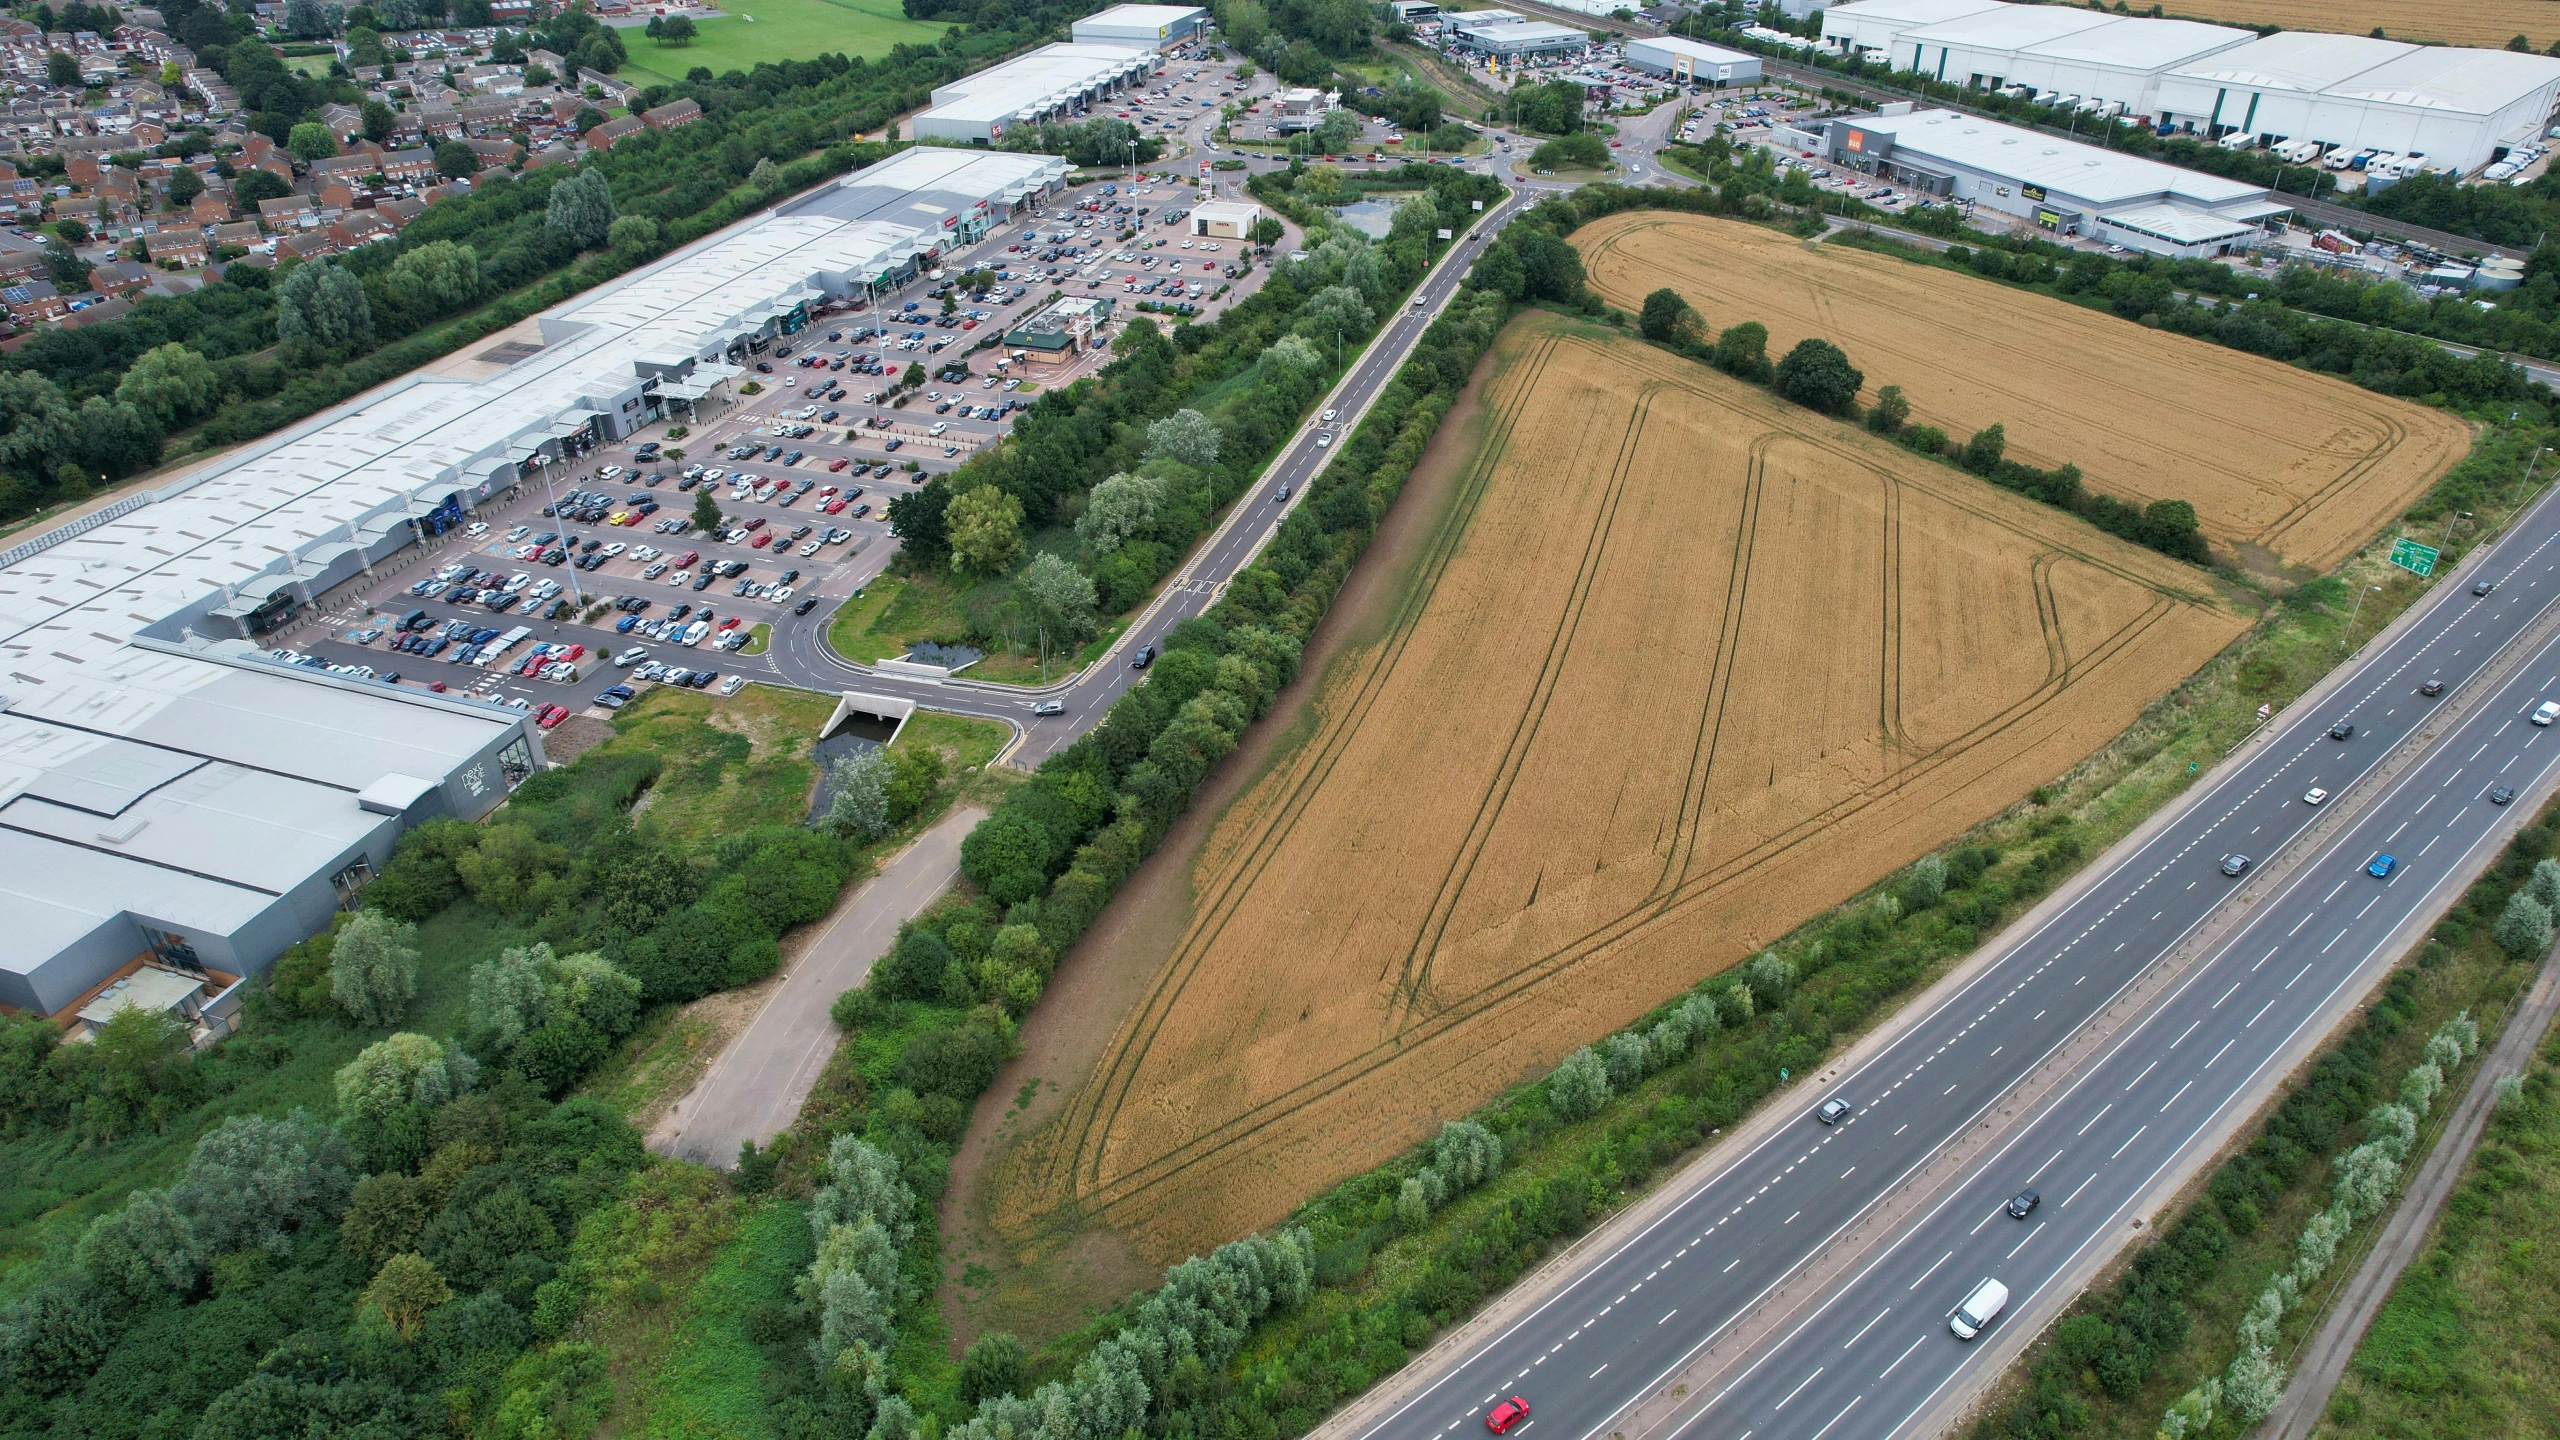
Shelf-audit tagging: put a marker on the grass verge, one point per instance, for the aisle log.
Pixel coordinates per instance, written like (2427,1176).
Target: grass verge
(2469,1341)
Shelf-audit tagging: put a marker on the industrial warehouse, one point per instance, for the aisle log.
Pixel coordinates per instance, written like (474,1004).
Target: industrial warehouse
(2059,185)
(2455,109)
(175,804)
(1509,35)
(1051,83)
(1158,27)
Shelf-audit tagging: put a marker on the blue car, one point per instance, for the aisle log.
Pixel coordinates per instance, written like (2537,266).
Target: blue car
(2381,867)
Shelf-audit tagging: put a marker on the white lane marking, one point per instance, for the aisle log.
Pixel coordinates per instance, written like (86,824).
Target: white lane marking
(2022,1244)
(1836,1419)
(1870,1325)
(2164,1109)
(1932,1270)
(2101,1115)
(2076,1189)
(2129,1139)
(1809,1379)
(1898,1359)
(2226,1045)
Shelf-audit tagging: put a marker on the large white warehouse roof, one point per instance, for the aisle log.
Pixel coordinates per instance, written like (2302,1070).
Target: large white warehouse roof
(2101,177)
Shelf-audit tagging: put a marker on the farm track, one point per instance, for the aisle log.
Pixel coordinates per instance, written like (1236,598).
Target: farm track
(1224,1099)
(2300,465)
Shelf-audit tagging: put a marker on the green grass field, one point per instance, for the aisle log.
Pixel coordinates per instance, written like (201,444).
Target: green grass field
(777,30)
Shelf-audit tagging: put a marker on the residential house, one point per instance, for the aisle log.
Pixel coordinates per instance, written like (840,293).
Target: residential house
(604,136)
(511,12)
(114,307)
(34,302)
(147,133)
(344,121)
(672,114)
(620,92)
(307,246)
(244,233)
(286,212)
(548,156)
(351,169)
(119,277)
(338,196)
(548,61)
(494,153)
(19,266)
(409,167)
(401,211)
(210,208)
(359,227)
(439,124)
(187,247)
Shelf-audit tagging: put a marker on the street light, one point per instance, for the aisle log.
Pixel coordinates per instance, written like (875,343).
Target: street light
(574,590)
(2352,612)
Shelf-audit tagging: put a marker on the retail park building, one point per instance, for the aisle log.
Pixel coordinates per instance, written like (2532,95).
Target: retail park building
(1111,51)
(2460,108)
(176,803)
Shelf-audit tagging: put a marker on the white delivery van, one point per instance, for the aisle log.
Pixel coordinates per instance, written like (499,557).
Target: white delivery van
(2548,712)
(1979,1309)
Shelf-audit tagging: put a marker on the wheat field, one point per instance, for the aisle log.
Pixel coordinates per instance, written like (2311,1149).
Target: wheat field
(1683,666)
(2299,466)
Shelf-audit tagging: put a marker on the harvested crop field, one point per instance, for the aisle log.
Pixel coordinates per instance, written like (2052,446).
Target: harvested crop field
(2488,24)
(2299,466)
(1683,666)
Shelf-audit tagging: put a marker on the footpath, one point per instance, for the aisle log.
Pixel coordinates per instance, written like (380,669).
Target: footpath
(755,1089)
(2322,1363)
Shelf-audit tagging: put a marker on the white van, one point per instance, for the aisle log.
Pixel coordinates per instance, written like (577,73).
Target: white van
(1979,1309)
(2549,711)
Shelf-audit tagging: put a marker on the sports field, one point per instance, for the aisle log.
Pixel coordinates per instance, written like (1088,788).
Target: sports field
(2300,466)
(1682,666)
(777,30)
(2489,24)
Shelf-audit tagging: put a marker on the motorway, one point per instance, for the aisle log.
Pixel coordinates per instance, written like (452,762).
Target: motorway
(1610,1349)
(800,656)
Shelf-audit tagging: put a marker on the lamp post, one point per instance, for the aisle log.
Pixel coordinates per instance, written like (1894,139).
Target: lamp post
(2352,612)
(576,592)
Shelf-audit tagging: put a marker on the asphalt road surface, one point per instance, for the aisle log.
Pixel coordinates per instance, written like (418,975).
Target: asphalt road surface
(1875,1352)
(800,656)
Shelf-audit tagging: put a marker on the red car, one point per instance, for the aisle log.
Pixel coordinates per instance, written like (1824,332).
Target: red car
(552,715)
(1507,1414)
(686,563)
(756,524)
(837,464)
(760,542)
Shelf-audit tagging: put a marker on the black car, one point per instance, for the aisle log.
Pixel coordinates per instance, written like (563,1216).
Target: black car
(2501,794)
(2432,687)
(2342,730)
(805,606)
(2484,587)
(2023,1204)
(1145,657)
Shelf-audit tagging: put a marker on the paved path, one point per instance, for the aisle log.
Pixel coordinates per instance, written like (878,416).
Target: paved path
(2323,1363)
(753,1091)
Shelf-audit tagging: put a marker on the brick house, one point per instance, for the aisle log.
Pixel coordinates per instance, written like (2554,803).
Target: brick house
(34,302)
(672,114)
(359,227)
(611,132)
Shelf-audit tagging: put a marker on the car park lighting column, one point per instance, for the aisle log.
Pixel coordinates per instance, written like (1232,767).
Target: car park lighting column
(553,501)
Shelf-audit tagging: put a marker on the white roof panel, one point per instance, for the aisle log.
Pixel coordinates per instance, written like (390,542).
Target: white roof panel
(2295,60)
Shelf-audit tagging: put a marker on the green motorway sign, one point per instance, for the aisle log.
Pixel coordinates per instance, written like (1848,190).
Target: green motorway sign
(2417,559)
